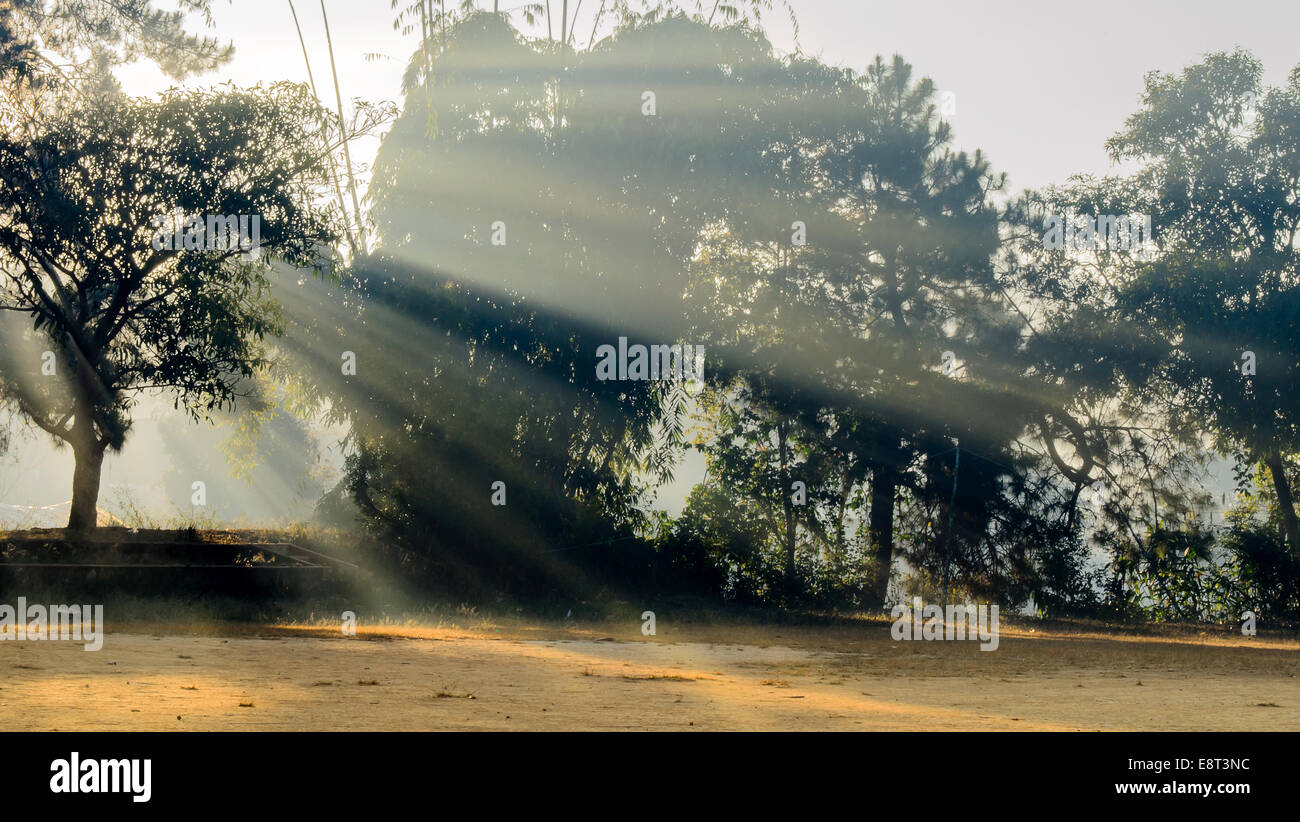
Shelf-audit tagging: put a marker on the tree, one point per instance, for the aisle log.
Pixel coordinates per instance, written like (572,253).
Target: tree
(763,442)
(543,217)
(80,40)
(501,385)
(18,55)
(1204,328)
(896,271)
(1222,182)
(84,205)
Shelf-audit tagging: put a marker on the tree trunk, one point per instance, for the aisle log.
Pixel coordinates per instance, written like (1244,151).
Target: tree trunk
(85,488)
(884,484)
(787,506)
(1285,502)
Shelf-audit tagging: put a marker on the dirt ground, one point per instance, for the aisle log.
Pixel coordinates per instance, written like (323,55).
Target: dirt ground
(610,677)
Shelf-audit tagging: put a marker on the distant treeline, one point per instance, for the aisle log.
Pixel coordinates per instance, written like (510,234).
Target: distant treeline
(907,375)
(913,380)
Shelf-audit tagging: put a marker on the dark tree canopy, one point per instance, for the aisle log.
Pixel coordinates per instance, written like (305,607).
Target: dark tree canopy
(81,204)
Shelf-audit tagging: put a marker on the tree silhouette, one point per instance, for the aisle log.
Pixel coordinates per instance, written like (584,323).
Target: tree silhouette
(81,205)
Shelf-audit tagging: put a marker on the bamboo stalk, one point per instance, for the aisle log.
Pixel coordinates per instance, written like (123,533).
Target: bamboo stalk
(599,14)
(573,29)
(347,155)
(334,172)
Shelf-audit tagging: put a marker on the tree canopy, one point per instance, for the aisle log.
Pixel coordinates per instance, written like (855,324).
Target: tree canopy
(83,203)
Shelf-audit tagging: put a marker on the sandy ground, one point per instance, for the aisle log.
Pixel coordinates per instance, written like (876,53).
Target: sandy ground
(740,677)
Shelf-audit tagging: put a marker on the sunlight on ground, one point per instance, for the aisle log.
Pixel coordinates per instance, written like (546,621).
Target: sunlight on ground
(533,676)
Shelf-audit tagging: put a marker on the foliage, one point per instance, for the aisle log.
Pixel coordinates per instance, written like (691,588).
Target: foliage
(81,204)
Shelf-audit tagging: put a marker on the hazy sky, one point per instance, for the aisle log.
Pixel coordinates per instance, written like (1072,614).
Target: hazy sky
(1039,87)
